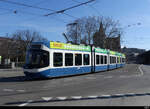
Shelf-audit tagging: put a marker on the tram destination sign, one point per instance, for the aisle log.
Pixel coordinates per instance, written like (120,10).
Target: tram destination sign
(63,46)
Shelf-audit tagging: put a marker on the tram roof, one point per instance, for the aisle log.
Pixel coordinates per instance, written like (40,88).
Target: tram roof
(68,46)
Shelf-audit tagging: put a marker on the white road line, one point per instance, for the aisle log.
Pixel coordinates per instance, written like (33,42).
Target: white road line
(118,95)
(9,90)
(123,76)
(88,97)
(24,104)
(105,96)
(76,97)
(107,77)
(47,98)
(61,98)
(142,73)
(90,78)
(92,96)
(20,90)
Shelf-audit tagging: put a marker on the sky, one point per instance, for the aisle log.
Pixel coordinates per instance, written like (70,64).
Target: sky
(127,12)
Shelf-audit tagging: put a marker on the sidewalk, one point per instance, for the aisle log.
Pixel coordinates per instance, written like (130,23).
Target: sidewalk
(14,69)
(5,73)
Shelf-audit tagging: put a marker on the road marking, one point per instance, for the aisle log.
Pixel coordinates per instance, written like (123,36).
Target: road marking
(24,104)
(61,98)
(105,96)
(123,76)
(92,96)
(47,98)
(9,90)
(90,78)
(118,95)
(107,77)
(20,90)
(76,97)
(142,73)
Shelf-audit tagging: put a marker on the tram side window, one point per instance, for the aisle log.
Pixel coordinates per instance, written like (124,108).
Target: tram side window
(102,59)
(68,59)
(58,59)
(114,60)
(97,60)
(117,59)
(105,58)
(110,60)
(86,59)
(122,60)
(78,59)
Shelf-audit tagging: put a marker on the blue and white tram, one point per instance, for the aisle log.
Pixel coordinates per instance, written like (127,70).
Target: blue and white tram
(55,59)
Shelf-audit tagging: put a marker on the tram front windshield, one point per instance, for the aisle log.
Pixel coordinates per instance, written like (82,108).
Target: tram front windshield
(37,59)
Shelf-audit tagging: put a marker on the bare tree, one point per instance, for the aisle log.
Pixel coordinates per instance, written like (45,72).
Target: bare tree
(111,27)
(21,39)
(81,30)
(90,29)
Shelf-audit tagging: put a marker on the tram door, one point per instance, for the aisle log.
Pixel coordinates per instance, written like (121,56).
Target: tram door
(92,59)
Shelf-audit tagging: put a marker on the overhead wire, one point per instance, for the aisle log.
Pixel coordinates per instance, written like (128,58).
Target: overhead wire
(90,7)
(30,13)
(36,7)
(63,10)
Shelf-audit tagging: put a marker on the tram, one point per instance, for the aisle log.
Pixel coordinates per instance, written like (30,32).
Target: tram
(55,59)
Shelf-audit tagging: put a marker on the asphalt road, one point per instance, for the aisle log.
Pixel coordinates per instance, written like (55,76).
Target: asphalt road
(128,86)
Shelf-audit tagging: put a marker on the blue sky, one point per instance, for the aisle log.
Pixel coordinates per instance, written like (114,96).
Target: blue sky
(128,12)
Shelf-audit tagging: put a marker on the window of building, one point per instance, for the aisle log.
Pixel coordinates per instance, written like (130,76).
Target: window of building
(78,59)
(58,59)
(68,59)
(97,59)
(86,59)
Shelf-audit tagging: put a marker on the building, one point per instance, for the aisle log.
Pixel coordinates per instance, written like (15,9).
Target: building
(144,58)
(99,37)
(132,54)
(113,43)
(102,41)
